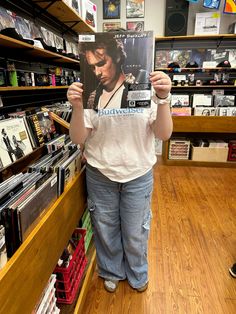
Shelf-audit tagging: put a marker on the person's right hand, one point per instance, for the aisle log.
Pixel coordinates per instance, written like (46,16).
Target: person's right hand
(75,95)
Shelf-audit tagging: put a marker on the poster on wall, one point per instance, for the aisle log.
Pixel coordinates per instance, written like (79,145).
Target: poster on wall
(111,9)
(134,8)
(211,4)
(108,26)
(207,23)
(230,6)
(137,26)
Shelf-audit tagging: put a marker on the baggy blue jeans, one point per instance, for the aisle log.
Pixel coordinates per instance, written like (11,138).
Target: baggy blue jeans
(120,216)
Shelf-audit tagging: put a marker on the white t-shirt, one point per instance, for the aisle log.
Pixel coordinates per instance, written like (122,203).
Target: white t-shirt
(121,144)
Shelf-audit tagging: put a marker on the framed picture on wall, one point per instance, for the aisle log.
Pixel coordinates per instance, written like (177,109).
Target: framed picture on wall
(135,8)
(211,4)
(230,7)
(111,9)
(107,26)
(137,26)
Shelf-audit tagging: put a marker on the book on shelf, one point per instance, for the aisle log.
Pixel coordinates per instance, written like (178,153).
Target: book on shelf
(134,61)
(14,141)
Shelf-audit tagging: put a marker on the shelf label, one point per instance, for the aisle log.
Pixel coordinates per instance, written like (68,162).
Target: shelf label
(87,38)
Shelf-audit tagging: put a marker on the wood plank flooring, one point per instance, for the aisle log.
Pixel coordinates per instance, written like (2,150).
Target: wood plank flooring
(192,245)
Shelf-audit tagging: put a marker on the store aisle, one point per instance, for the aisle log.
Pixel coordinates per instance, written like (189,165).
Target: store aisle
(192,244)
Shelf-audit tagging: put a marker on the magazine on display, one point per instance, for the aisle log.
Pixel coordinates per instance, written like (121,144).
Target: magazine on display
(131,54)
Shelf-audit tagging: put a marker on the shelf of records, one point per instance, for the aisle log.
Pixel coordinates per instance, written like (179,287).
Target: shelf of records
(24,131)
(197,61)
(34,261)
(215,104)
(35,40)
(202,150)
(25,75)
(213,77)
(45,180)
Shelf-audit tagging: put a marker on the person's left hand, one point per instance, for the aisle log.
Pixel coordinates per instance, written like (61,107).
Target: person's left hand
(161,83)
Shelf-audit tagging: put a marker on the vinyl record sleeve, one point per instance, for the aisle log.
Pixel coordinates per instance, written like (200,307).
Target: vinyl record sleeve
(14,140)
(131,55)
(68,169)
(30,211)
(6,20)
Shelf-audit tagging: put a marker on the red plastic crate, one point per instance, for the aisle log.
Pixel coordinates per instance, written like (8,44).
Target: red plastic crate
(69,278)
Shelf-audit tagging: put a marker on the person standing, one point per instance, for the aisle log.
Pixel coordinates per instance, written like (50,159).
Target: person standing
(120,153)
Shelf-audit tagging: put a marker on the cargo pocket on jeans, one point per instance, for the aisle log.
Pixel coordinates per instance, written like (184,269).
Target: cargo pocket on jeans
(148,213)
(147,220)
(91,205)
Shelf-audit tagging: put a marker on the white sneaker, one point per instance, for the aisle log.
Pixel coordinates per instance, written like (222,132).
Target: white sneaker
(111,285)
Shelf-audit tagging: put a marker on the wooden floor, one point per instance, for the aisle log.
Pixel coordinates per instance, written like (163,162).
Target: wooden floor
(192,245)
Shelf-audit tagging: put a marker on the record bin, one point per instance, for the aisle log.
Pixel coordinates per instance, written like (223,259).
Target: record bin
(69,278)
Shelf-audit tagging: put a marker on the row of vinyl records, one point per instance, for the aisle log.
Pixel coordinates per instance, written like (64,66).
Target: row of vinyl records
(23,131)
(203,105)
(44,180)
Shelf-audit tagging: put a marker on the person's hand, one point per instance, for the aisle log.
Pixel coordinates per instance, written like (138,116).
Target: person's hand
(75,95)
(161,83)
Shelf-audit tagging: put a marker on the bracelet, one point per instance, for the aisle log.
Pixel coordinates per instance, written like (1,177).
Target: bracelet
(160,101)
(163,98)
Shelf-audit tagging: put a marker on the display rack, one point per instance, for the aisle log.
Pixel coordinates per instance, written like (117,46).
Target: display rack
(23,278)
(199,126)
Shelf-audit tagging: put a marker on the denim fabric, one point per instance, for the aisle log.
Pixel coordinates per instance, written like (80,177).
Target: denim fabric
(120,215)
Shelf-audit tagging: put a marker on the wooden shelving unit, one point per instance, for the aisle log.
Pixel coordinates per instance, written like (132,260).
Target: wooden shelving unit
(35,52)
(195,37)
(25,275)
(64,14)
(203,126)
(30,88)
(199,126)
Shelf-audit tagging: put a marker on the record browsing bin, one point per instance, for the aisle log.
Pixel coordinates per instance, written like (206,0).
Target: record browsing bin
(69,278)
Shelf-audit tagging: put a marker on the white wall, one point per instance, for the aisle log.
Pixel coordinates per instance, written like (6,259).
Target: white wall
(155,16)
